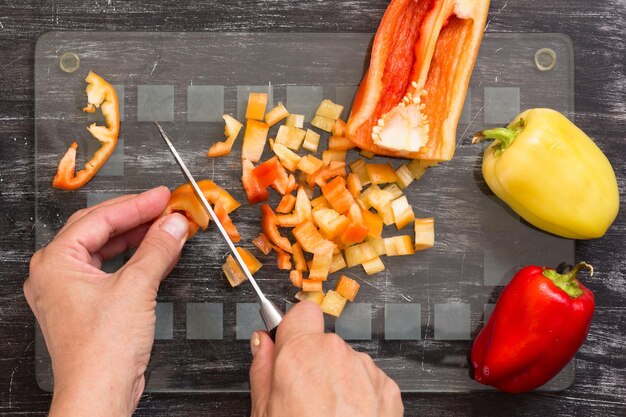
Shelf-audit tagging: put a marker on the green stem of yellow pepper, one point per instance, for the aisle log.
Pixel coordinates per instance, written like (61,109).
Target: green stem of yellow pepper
(505,135)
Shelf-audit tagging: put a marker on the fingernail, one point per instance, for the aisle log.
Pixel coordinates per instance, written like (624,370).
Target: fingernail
(176,225)
(255,343)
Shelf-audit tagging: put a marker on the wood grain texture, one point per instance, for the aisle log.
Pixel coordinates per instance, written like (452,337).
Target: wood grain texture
(596,28)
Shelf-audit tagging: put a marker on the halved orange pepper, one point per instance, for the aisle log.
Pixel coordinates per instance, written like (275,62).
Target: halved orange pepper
(100,94)
(410,100)
(184,201)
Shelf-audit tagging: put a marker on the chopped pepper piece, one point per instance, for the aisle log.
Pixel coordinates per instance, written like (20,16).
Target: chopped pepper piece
(283,259)
(338,195)
(298,257)
(100,94)
(286,204)
(269,224)
(309,285)
(255,191)
(295,277)
(424,233)
(340,143)
(315,296)
(321,265)
(278,113)
(257,102)
(263,243)
(337,263)
(347,287)
(254,140)
(381,173)
(399,245)
(233,272)
(333,303)
(410,100)
(232,127)
(183,200)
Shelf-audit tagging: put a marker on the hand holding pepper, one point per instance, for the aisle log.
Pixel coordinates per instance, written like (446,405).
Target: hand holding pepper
(99,327)
(540,321)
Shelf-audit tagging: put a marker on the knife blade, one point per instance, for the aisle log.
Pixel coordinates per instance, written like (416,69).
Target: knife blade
(271,314)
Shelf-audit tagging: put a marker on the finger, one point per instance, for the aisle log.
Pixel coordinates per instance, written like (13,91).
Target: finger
(261,371)
(120,244)
(94,230)
(304,318)
(158,252)
(83,212)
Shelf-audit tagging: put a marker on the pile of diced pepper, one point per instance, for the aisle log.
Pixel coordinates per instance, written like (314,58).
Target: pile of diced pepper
(340,228)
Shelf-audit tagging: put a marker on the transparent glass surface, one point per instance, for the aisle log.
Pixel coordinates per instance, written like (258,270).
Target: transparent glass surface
(418,317)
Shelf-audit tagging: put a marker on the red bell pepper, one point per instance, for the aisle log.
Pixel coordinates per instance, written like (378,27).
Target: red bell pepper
(540,321)
(410,99)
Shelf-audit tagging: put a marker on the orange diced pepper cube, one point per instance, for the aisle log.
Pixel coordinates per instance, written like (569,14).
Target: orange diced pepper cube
(347,287)
(257,102)
(381,173)
(286,204)
(311,285)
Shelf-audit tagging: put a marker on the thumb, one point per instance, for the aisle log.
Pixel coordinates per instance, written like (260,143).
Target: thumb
(261,371)
(158,252)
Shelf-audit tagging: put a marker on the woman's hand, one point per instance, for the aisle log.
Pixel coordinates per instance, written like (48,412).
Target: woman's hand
(99,327)
(309,373)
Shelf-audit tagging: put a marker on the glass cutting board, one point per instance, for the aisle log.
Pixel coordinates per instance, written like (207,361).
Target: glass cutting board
(417,318)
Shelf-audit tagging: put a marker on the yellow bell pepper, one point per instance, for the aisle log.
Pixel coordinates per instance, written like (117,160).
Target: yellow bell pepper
(551,174)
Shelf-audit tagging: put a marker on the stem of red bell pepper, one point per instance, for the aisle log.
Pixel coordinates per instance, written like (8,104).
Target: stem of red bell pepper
(505,135)
(568,282)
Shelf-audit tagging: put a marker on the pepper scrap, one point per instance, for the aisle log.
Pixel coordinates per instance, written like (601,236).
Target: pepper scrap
(100,94)
(184,201)
(410,100)
(551,174)
(232,127)
(539,322)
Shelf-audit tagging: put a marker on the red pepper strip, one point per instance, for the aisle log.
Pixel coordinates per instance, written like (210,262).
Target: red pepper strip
(100,94)
(269,224)
(254,190)
(540,320)
(267,172)
(184,201)
(411,97)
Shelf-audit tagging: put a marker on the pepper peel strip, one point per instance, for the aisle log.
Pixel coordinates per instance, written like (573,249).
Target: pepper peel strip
(100,94)
(411,98)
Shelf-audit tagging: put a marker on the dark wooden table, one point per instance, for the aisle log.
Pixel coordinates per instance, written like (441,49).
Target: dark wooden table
(597,29)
